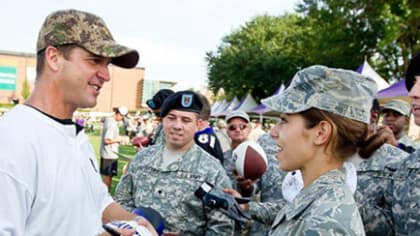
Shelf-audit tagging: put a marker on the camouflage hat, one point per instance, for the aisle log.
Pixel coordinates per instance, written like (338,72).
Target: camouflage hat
(398,105)
(86,30)
(342,92)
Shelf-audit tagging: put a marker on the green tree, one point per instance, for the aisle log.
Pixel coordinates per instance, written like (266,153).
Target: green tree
(25,89)
(268,50)
(257,58)
(343,32)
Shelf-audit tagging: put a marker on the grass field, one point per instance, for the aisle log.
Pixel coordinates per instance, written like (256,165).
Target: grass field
(126,150)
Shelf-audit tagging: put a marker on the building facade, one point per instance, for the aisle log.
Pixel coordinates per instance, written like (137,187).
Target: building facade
(150,87)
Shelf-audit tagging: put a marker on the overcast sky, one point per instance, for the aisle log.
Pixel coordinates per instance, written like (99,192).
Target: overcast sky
(171,36)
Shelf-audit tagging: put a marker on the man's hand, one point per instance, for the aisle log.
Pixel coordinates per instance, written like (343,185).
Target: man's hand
(129,232)
(236,194)
(383,135)
(246,186)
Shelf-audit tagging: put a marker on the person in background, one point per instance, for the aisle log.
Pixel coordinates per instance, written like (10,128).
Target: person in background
(133,123)
(166,175)
(48,169)
(403,193)
(205,136)
(374,174)
(256,131)
(221,133)
(110,142)
(396,115)
(155,104)
(238,131)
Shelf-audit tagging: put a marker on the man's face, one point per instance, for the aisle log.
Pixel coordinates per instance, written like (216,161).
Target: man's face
(395,121)
(238,130)
(82,75)
(179,128)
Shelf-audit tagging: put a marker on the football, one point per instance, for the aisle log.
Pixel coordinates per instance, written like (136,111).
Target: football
(250,160)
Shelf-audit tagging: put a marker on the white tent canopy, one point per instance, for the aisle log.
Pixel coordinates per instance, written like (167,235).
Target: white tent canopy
(227,108)
(367,70)
(215,106)
(222,105)
(246,104)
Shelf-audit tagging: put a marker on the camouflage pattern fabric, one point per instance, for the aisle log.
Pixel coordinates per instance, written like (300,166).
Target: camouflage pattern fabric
(373,177)
(270,182)
(326,207)
(398,105)
(342,92)
(170,190)
(158,135)
(404,196)
(408,142)
(229,165)
(87,31)
(269,185)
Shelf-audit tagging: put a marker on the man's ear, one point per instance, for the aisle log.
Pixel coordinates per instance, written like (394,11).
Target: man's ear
(323,132)
(52,58)
(407,120)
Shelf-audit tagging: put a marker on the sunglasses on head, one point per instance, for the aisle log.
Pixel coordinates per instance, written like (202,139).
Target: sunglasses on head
(234,127)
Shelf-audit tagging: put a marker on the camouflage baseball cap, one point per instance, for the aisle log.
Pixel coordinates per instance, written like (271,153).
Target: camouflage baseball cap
(86,30)
(398,105)
(342,92)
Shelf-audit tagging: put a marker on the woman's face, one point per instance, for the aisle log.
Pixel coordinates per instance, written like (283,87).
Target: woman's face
(294,141)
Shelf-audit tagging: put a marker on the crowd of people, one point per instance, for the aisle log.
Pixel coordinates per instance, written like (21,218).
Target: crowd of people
(332,169)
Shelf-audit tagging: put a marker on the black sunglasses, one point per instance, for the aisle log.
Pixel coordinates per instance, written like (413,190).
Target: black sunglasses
(234,127)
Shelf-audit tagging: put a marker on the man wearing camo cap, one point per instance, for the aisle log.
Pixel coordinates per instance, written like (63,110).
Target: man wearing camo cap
(166,175)
(325,206)
(396,115)
(48,169)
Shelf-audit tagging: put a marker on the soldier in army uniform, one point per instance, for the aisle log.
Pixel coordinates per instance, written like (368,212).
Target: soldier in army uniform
(403,194)
(325,113)
(374,164)
(396,115)
(165,176)
(320,104)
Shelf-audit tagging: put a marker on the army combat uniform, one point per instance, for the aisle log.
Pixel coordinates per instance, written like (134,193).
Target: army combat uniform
(170,190)
(269,187)
(373,177)
(326,207)
(404,196)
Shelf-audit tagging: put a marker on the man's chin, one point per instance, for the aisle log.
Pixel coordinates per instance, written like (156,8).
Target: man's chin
(88,105)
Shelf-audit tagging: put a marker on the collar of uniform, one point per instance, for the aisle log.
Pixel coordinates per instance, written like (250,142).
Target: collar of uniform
(412,161)
(309,194)
(185,163)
